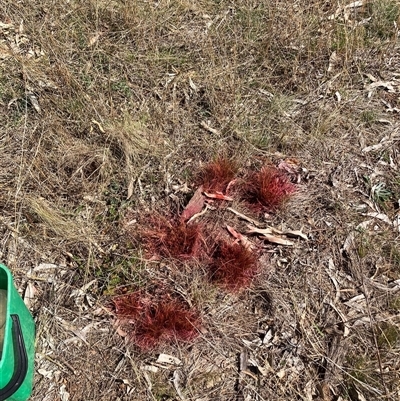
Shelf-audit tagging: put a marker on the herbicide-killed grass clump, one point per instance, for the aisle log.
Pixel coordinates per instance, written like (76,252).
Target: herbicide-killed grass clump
(216,176)
(128,306)
(267,189)
(157,320)
(171,238)
(232,267)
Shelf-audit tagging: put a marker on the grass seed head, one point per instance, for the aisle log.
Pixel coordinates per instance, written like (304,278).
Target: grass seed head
(215,176)
(233,266)
(268,189)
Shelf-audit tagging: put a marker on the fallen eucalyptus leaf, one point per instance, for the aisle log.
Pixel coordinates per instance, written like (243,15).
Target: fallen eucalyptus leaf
(295,233)
(244,240)
(218,195)
(34,101)
(244,217)
(149,368)
(262,231)
(177,379)
(194,206)
(379,216)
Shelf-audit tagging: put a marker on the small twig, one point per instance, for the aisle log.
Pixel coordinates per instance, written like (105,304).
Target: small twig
(9,226)
(208,128)
(197,215)
(60,365)
(244,217)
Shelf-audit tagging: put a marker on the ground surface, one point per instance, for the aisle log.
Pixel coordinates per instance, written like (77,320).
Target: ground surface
(107,110)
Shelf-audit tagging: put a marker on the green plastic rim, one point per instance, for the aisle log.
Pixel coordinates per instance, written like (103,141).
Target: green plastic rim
(17,354)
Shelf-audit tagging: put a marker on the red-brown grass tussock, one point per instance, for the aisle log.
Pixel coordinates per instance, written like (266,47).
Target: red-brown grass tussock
(171,238)
(233,266)
(157,321)
(166,322)
(129,305)
(215,176)
(267,189)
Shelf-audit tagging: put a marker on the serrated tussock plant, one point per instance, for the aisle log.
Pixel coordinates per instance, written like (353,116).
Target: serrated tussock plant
(170,237)
(232,266)
(267,189)
(154,320)
(216,176)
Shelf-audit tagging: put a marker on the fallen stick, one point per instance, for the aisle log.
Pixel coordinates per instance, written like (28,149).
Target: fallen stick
(244,217)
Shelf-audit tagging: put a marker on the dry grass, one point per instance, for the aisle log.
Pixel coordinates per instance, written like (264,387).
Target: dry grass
(108,109)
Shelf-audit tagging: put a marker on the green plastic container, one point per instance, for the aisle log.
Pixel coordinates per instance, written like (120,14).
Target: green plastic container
(17,339)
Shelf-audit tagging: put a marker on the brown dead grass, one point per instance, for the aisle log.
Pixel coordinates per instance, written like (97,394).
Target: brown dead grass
(133,96)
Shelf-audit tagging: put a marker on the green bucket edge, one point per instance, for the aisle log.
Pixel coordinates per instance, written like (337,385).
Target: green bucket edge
(16,306)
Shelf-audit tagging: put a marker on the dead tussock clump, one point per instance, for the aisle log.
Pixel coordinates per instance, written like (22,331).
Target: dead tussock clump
(52,219)
(157,320)
(215,176)
(170,237)
(232,267)
(129,138)
(91,166)
(268,189)
(167,322)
